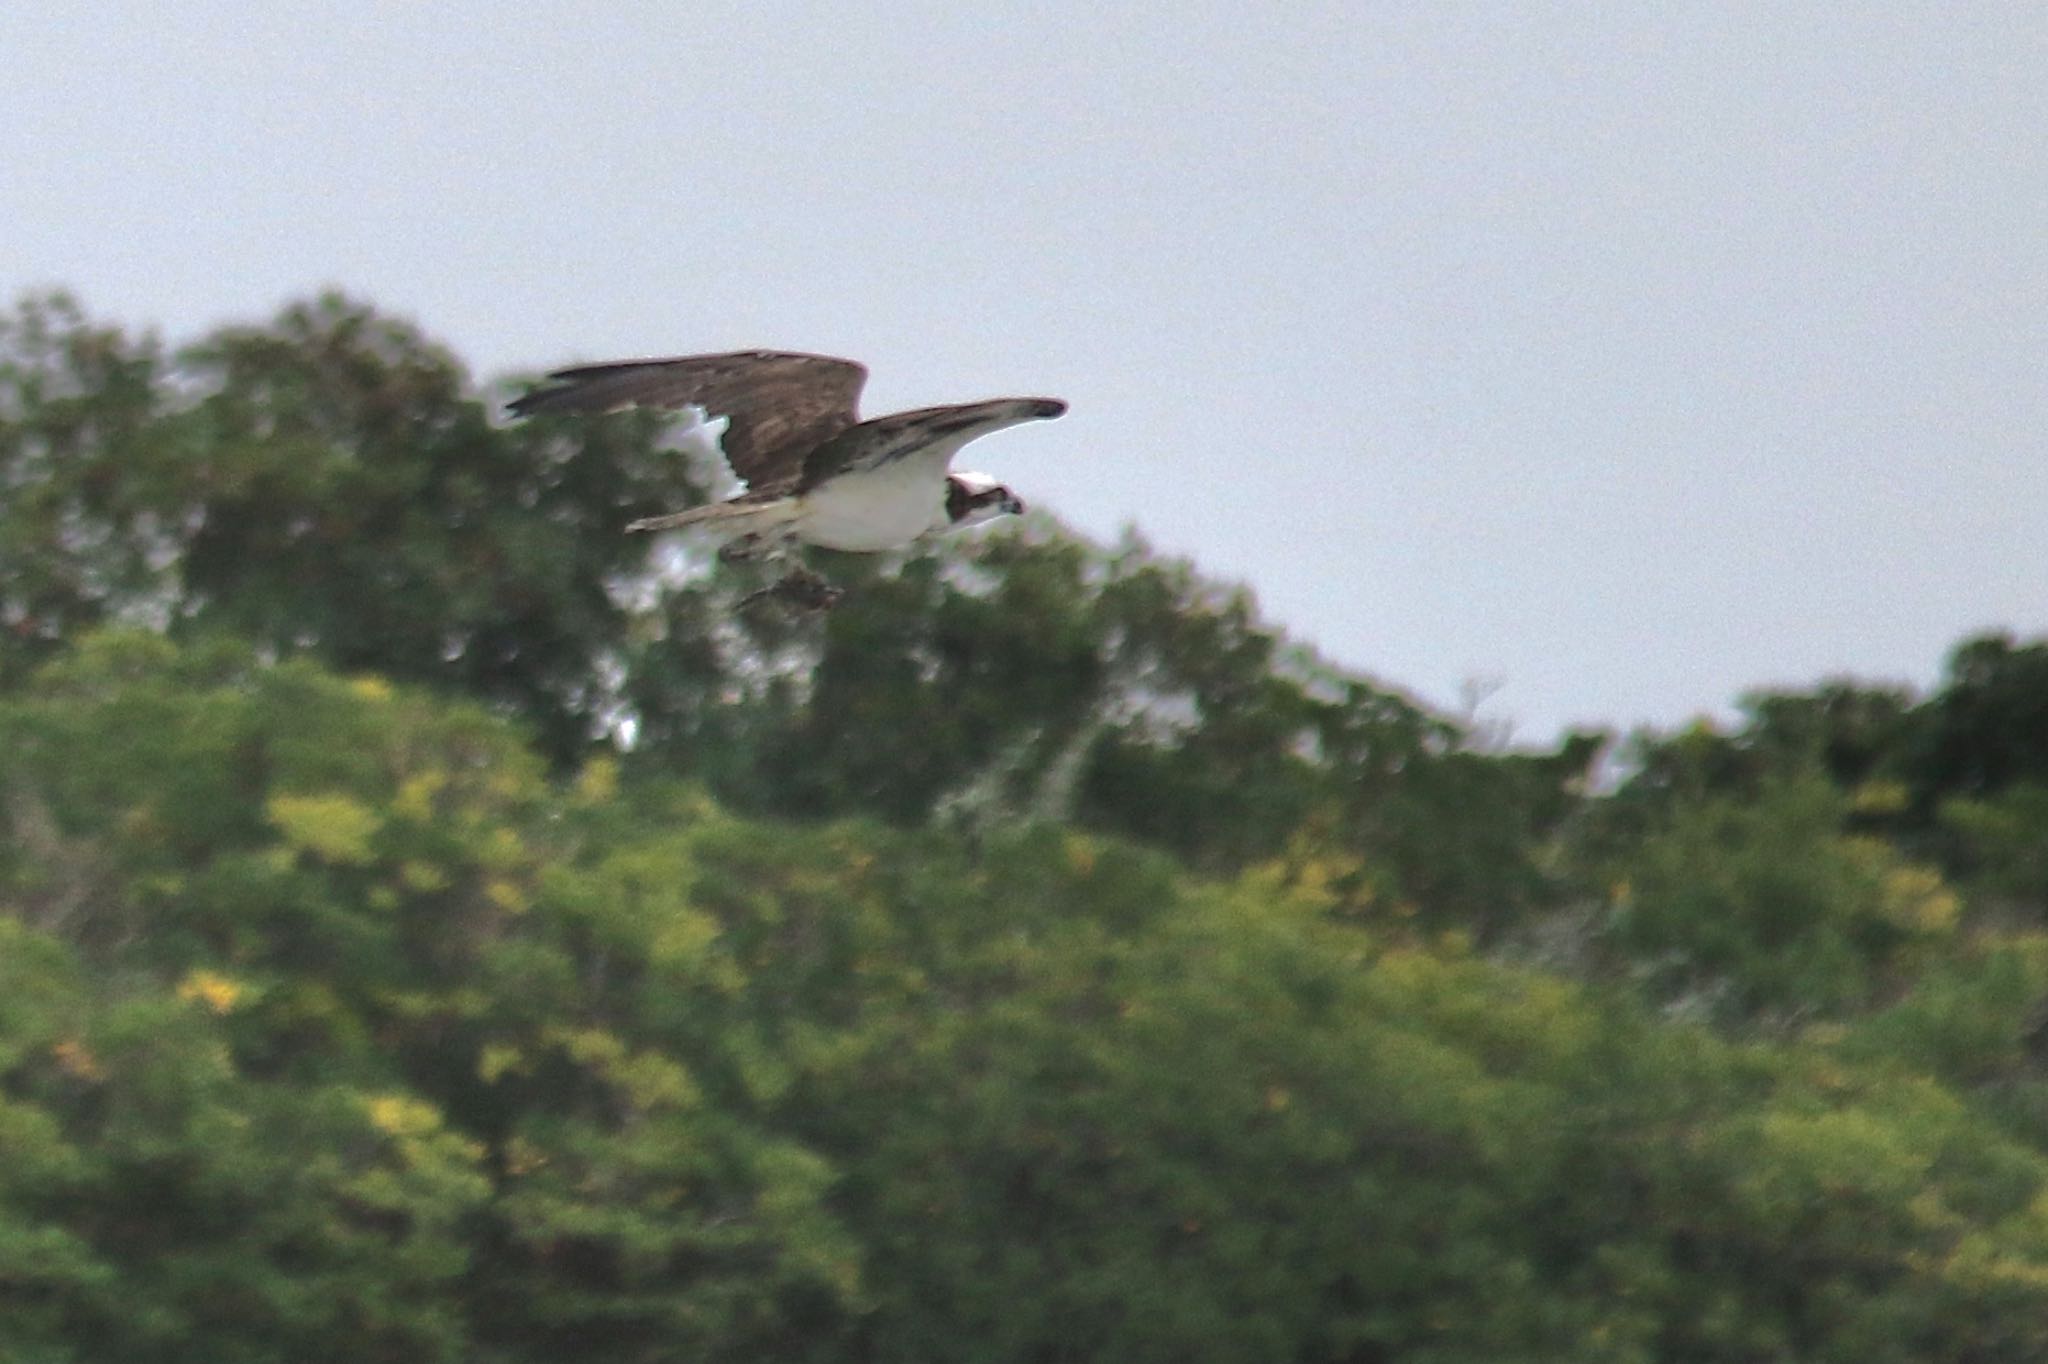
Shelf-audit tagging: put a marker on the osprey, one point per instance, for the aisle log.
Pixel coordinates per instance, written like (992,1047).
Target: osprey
(816,474)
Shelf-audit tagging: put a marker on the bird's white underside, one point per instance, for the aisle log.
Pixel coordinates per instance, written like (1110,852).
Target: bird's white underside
(864,511)
(878,509)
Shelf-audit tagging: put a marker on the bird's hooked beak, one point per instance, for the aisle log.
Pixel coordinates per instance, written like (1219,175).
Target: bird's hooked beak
(1012,504)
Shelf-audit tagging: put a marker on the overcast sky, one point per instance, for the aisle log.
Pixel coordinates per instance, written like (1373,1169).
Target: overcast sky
(1621,357)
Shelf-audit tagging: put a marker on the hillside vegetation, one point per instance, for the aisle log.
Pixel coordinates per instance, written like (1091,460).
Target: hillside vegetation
(435,927)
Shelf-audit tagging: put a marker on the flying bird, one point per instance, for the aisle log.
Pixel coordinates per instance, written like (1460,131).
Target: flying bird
(816,474)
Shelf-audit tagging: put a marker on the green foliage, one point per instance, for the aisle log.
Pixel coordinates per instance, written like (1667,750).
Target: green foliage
(333,1029)
(325,482)
(1766,906)
(324,905)
(85,533)
(1927,773)
(2001,843)
(1988,727)
(435,927)
(1975,1019)
(156,1196)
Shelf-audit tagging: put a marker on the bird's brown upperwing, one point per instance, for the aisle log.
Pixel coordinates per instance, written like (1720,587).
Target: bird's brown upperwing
(779,406)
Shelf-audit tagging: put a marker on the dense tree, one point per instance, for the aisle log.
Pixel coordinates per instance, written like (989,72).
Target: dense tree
(1987,728)
(435,927)
(326,483)
(1766,906)
(333,1029)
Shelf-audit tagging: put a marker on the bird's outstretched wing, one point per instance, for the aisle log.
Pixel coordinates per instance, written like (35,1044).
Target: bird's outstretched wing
(779,406)
(936,430)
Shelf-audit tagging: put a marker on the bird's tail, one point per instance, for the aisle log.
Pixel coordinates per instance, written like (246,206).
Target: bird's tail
(728,519)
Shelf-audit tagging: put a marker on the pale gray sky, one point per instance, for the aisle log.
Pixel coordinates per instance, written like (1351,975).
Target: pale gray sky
(1628,356)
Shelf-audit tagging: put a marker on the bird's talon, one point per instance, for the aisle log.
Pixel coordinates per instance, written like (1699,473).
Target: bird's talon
(805,591)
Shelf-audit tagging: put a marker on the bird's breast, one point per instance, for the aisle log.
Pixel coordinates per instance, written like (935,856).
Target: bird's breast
(880,509)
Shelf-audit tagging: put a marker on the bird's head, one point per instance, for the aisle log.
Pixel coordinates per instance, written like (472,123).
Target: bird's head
(973,498)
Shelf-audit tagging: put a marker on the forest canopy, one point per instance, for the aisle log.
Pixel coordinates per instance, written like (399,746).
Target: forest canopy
(436,927)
